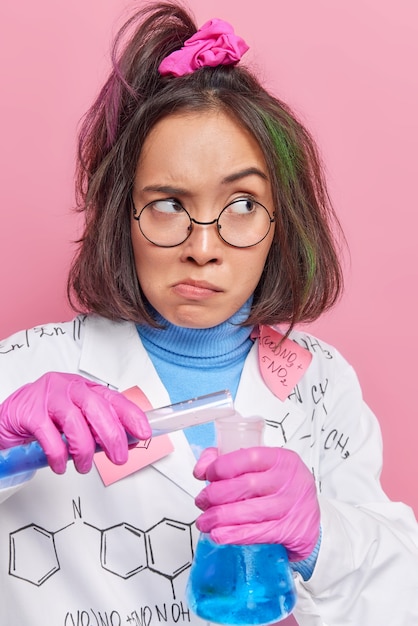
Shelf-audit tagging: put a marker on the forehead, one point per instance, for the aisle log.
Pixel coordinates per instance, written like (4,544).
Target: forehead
(210,139)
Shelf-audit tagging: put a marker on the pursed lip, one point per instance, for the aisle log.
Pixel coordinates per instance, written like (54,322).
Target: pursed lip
(195,288)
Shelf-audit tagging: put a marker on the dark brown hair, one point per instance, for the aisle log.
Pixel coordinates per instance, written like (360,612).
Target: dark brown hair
(302,276)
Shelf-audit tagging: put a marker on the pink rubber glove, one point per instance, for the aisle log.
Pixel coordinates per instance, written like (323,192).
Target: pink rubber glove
(85,412)
(259,495)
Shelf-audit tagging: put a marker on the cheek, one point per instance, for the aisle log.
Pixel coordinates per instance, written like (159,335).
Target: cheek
(148,267)
(256,263)
(143,263)
(151,264)
(247,274)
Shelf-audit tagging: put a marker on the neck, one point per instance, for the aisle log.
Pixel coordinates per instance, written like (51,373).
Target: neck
(218,343)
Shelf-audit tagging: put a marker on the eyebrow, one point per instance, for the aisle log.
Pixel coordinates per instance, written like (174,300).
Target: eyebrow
(231,178)
(249,171)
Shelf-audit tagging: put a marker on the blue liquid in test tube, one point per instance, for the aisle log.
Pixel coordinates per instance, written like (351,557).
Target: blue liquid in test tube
(29,457)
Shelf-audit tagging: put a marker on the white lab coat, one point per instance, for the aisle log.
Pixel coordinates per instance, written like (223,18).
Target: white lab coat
(76,553)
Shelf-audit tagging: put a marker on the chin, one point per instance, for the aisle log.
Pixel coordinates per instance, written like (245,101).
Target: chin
(195,319)
(196,324)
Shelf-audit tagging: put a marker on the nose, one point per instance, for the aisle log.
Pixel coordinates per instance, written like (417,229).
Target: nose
(204,244)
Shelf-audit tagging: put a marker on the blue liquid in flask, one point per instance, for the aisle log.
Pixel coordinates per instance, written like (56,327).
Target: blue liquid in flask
(241,584)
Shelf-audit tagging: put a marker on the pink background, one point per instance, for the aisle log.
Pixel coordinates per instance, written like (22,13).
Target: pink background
(348,68)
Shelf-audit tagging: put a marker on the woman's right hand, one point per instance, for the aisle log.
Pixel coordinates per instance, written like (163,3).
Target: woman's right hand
(87,413)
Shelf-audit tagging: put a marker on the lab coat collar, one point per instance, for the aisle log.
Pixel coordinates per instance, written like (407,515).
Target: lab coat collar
(113,353)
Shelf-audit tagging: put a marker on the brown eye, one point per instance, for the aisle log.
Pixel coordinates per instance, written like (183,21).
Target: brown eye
(166,206)
(242,206)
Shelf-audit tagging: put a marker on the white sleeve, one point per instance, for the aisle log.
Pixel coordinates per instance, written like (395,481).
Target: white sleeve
(367,567)
(9,485)
(24,357)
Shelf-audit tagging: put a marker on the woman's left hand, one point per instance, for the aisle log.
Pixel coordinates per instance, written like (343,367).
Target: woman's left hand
(259,495)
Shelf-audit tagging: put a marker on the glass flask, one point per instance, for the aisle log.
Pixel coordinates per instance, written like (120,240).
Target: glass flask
(240,584)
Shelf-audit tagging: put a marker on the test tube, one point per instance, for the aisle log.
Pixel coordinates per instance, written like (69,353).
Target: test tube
(30,456)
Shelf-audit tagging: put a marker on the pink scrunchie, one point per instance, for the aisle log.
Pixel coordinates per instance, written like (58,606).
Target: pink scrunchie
(215,43)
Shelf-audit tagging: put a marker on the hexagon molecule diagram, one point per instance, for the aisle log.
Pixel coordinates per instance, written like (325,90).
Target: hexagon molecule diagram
(33,555)
(126,561)
(126,550)
(179,537)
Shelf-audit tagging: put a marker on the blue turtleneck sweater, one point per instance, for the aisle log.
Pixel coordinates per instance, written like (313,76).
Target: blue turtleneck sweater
(194,362)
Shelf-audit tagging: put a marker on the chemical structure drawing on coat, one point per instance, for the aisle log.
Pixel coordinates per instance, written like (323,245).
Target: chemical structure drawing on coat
(125,550)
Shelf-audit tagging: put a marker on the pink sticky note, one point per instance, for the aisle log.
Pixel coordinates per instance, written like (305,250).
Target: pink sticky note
(282,361)
(141,455)
(144,453)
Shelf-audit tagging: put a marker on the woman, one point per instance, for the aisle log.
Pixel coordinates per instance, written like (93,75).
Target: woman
(207,227)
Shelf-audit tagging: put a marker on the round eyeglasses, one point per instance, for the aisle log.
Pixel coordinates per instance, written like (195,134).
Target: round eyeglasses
(243,223)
